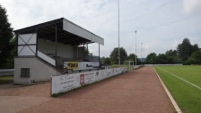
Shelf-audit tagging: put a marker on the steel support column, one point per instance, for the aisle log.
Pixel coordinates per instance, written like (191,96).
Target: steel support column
(56,45)
(99,54)
(36,42)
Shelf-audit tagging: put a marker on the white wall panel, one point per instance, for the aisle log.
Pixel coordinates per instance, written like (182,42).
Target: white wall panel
(20,41)
(48,47)
(26,50)
(27,39)
(26,44)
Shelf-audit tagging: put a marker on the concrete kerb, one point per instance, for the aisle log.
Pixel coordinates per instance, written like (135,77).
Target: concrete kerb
(178,110)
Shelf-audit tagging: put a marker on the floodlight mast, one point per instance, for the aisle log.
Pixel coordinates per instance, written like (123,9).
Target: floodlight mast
(136,47)
(141,52)
(119,58)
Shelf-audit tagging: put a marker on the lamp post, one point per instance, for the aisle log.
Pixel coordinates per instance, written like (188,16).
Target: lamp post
(118,37)
(141,52)
(136,47)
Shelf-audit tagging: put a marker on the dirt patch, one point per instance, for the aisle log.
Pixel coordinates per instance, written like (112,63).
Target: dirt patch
(14,104)
(16,98)
(41,90)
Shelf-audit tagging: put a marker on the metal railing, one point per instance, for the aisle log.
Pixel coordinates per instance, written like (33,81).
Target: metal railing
(6,72)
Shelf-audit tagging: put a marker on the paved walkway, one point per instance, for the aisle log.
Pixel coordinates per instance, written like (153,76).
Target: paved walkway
(16,98)
(139,91)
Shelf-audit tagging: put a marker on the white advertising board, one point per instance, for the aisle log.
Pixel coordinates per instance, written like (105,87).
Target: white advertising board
(98,75)
(89,77)
(102,75)
(109,73)
(64,83)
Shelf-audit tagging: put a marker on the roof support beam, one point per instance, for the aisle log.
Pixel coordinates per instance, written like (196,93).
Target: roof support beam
(36,41)
(56,45)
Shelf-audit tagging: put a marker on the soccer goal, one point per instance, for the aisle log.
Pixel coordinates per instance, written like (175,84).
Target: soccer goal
(129,64)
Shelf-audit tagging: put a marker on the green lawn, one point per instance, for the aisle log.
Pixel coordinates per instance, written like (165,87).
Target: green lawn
(187,96)
(6,79)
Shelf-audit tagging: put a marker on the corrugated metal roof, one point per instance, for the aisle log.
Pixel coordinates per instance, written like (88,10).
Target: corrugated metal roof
(67,32)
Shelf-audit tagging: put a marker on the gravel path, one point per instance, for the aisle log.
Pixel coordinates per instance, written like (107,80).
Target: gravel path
(139,91)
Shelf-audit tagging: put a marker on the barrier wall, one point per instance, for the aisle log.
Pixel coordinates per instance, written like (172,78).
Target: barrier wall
(64,83)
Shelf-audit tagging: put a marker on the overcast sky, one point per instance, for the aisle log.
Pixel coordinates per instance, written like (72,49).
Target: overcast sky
(161,24)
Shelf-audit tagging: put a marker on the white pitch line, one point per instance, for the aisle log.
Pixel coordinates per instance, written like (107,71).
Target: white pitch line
(181,78)
(174,103)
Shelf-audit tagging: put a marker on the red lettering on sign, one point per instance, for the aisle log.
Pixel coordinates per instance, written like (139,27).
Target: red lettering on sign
(81,79)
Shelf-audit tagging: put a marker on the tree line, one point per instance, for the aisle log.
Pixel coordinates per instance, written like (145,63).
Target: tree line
(185,53)
(113,59)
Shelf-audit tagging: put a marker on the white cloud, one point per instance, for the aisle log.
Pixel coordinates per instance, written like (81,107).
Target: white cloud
(192,6)
(160,24)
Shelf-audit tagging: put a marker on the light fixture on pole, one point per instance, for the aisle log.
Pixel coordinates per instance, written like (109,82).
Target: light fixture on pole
(136,47)
(119,58)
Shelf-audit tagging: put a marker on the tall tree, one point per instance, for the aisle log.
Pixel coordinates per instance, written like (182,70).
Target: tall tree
(114,55)
(105,61)
(195,48)
(6,35)
(86,51)
(151,58)
(171,53)
(161,59)
(172,56)
(195,58)
(132,57)
(184,49)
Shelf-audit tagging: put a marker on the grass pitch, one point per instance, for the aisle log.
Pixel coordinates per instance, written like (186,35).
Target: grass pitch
(6,79)
(185,92)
